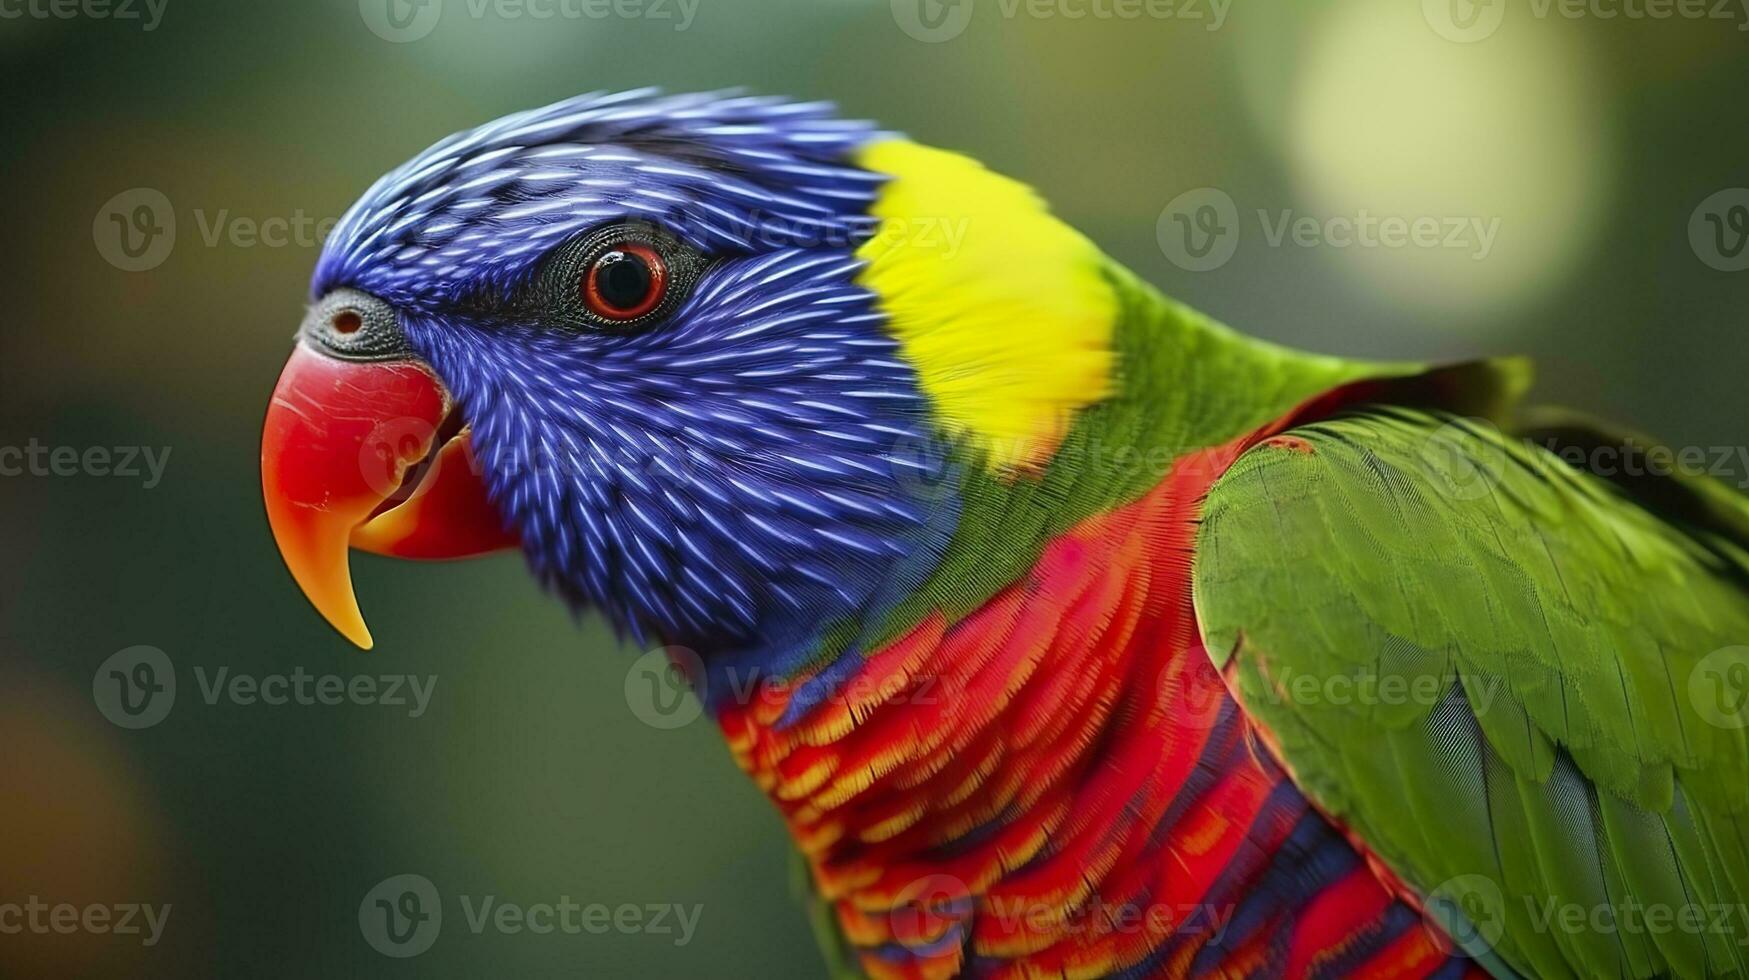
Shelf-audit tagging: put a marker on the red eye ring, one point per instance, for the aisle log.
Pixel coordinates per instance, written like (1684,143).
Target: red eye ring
(625,282)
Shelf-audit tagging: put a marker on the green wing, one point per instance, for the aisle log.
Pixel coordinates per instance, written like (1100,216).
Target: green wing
(1521,685)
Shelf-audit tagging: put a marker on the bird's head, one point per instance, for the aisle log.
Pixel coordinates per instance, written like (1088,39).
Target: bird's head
(690,352)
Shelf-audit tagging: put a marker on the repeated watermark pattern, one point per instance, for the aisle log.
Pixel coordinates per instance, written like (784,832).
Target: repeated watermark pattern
(1469,21)
(1372,687)
(137,688)
(402,21)
(1718,230)
(921,906)
(659,688)
(35,916)
(935,21)
(1635,918)
(146,14)
(1468,459)
(1718,686)
(135,231)
(923,466)
(1200,230)
(1472,908)
(1475,909)
(666,688)
(402,916)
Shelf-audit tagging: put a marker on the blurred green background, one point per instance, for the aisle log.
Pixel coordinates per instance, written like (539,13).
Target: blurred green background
(1592,141)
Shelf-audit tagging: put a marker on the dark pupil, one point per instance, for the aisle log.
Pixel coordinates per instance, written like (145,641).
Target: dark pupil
(622,280)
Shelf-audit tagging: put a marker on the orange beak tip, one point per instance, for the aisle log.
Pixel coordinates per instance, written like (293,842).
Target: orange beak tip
(343,439)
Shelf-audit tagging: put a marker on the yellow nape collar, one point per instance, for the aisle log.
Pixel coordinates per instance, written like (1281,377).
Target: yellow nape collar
(1001,307)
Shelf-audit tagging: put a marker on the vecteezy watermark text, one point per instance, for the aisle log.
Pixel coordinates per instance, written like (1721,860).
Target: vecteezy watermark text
(1199,230)
(400,21)
(667,687)
(148,13)
(136,688)
(1480,906)
(402,916)
(1469,459)
(409,691)
(1469,21)
(934,21)
(37,917)
(135,231)
(123,462)
(569,917)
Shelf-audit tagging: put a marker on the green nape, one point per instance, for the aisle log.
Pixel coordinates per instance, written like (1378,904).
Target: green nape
(1186,383)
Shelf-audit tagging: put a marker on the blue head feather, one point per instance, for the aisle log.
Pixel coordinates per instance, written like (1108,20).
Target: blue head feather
(734,478)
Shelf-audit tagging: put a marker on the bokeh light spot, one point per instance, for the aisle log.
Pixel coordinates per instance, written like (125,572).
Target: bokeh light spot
(1389,119)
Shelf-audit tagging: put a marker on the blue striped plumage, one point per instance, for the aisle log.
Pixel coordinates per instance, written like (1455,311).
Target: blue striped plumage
(736,469)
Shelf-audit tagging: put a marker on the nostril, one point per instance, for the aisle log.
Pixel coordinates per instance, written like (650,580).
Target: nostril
(352,324)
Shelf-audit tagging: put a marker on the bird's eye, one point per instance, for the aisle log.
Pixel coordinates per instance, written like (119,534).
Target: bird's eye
(625,282)
(619,279)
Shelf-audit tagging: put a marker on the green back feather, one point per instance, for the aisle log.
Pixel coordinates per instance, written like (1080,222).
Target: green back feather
(1558,762)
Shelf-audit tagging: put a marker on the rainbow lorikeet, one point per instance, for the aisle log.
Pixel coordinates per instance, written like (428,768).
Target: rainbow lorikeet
(1071,632)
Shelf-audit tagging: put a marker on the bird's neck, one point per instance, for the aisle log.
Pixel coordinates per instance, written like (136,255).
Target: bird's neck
(1187,384)
(1059,780)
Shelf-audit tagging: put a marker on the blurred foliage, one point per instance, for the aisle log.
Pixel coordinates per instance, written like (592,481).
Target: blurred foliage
(1591,140)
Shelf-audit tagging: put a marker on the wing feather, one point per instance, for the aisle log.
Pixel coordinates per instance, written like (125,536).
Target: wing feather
(1491,666)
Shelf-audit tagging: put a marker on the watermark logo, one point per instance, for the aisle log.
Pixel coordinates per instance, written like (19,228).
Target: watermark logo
(1199,696)
(923,467)
(1472,909)
(383,456)
(402,916)
(1468,459)
(928,907)
(1199,229)
(135,230)
(1469,21)
(659,687)
(1718,687)
(1718,230)
(136,687)
(666,688)
(924,909)
(932,21)
(400,21)
(1465,457)
(1464,21)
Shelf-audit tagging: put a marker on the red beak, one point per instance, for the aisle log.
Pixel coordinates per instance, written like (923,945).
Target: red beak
(368,454)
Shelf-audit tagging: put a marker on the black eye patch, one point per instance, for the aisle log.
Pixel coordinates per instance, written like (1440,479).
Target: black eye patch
(619,277)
